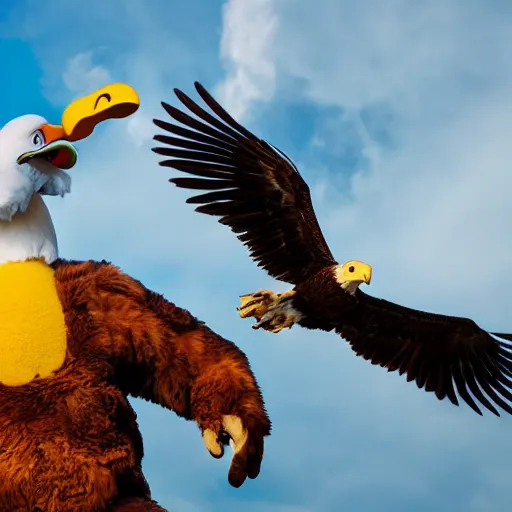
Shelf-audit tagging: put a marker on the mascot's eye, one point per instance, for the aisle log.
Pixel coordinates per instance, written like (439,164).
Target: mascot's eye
(37,139)
(351,269)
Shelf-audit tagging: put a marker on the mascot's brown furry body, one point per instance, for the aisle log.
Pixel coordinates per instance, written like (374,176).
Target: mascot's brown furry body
(71,442)
(79,337)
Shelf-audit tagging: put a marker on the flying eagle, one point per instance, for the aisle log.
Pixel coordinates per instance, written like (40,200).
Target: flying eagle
(258,192)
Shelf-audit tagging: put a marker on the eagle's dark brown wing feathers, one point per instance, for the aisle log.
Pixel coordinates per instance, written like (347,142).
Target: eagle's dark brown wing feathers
(443,354)
(185,132)
(225,136)
(229,126)
(224,160)
(188,144)
(254,188)
(257,191)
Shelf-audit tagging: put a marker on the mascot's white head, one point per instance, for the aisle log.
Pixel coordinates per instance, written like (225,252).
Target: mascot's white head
(34,157)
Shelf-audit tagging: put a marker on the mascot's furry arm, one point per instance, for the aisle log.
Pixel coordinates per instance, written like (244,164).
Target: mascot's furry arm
(163,354)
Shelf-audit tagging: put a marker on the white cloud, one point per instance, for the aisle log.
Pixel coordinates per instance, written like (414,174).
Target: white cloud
(140,128)
(249,28)
(82,76)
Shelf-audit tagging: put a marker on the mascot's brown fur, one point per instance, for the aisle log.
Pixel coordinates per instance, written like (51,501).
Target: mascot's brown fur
(71,442)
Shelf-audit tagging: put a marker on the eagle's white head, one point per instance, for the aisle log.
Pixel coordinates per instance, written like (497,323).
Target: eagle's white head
(34,156)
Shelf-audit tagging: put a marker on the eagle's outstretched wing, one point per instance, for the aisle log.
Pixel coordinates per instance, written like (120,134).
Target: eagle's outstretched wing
(444,354)
(255,189)
(258,192)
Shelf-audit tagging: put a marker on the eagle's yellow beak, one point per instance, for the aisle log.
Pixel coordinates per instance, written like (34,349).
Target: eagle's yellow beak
(112,101)
(367,273)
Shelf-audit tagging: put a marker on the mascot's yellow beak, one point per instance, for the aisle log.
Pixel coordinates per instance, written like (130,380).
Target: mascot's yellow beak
(52,147)
(112,101)
(78,122)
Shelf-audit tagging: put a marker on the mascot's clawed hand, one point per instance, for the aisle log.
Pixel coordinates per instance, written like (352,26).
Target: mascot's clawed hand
(247,445)
(79,337)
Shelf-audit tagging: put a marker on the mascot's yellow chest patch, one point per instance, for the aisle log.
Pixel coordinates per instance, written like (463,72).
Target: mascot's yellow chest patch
(32,325)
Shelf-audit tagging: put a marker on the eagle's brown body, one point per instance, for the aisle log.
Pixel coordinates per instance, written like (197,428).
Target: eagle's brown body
(71,442)
(321,301)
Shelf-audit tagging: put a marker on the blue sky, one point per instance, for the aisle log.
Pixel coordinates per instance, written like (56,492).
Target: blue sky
(399,115)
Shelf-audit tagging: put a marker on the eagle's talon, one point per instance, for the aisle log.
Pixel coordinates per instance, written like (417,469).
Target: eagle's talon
(256,304)
(269,309)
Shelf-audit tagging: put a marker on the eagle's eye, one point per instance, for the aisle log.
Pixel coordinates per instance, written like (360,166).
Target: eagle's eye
(351,269)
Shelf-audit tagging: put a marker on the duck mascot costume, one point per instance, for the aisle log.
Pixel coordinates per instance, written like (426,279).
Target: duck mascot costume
(77,338)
